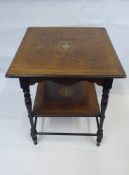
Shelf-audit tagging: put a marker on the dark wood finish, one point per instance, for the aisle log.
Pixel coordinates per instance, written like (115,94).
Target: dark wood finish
(53,99)
(104,102)
(66,52)
(24,83)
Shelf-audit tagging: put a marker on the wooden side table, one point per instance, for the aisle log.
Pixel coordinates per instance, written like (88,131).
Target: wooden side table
(66,62)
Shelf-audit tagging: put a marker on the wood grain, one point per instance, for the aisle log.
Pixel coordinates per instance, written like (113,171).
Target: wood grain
(66,52)
(53,99)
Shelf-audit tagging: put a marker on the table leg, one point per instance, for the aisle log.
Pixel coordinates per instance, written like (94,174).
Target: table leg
(24,83)
(104,102)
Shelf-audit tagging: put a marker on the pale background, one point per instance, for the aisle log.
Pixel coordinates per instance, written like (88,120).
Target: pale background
(62,155)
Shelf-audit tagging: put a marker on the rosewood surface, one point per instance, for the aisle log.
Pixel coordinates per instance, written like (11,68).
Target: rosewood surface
(77,100)
(66,51)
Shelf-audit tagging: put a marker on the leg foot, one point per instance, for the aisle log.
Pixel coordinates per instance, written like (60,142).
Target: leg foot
(35,143)
(98,144)
(34,136)
(99,137)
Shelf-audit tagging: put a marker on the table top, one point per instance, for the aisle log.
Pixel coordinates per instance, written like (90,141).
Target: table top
(66,52)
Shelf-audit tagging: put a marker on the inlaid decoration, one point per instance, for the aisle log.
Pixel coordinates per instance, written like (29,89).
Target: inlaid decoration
(66,46)
(66,91)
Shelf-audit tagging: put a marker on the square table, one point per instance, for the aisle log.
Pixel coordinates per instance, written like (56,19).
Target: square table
(66,62)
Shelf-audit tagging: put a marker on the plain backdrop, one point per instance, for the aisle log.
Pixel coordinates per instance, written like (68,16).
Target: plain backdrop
(62,155)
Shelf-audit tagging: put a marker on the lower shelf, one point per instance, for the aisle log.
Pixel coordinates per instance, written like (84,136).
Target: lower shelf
(57,100)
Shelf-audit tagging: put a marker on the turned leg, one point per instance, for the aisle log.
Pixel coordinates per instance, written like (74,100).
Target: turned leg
(104,102)
(24,83)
